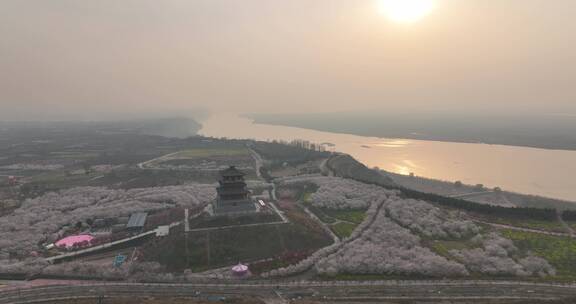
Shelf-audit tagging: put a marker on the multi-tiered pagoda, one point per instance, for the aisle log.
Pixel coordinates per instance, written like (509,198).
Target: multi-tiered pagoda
(233,195)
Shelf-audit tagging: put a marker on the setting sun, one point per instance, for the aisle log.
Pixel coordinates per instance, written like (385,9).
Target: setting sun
(406,11)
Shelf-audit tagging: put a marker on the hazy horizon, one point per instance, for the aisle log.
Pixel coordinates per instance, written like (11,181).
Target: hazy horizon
(100,59)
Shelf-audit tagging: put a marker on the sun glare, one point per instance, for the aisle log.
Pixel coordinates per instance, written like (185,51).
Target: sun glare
(405,11)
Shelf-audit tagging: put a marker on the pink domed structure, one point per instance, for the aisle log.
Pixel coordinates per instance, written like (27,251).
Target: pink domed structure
(70,241)
(240,270)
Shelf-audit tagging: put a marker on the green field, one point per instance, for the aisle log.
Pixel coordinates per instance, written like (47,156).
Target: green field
(217,248)
(330,216)
(343,229)
(559,251)
(553,226)
(321,214)
(307,197)
(572,224)
(200,153)
(443,248)
(352,215)
(75,154)
(342,222)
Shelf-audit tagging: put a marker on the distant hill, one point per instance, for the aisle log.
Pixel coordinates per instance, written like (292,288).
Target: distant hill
(346,166)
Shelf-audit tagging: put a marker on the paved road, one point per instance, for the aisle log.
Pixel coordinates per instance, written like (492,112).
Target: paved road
(324,167)
(564,224)
(144,165)
(324,226)
(463,195)
(257,160)
(273,192)
(321,290)
(280,213)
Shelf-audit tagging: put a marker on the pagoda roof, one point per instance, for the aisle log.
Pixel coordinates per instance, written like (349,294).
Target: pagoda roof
(232,171)
(230,191)
(232,184)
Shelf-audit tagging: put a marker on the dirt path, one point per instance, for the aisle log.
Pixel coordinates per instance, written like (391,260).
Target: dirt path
(464,195)
(566,226)
(503,226)
(258,162)
(336,220)
(144,165)
(325,226)
(324,167)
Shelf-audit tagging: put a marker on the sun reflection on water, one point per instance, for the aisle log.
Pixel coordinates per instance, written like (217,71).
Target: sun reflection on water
(393,143)
(402,169)
(411,163)
(406,167)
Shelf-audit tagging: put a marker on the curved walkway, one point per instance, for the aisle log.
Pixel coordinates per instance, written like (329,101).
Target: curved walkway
(503,226)
(257,160)
(564,224)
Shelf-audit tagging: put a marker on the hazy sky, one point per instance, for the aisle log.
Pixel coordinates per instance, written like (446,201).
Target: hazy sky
(59,58)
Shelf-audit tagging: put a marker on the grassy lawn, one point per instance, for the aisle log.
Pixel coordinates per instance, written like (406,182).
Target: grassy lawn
(354,216)
(200,153)
(330,216)
(54,181)
(349,219)
(559,251)
(443,247)
(219,248)
(321,215)
(135,178)
(553,226)
(572,224)
(343,230)
(307,197)
(75,155)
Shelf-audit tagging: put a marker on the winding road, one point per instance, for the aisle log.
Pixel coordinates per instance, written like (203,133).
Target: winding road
(258,162)
(503,226)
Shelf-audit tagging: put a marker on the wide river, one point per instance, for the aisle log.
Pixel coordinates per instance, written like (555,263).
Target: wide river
(550,173)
